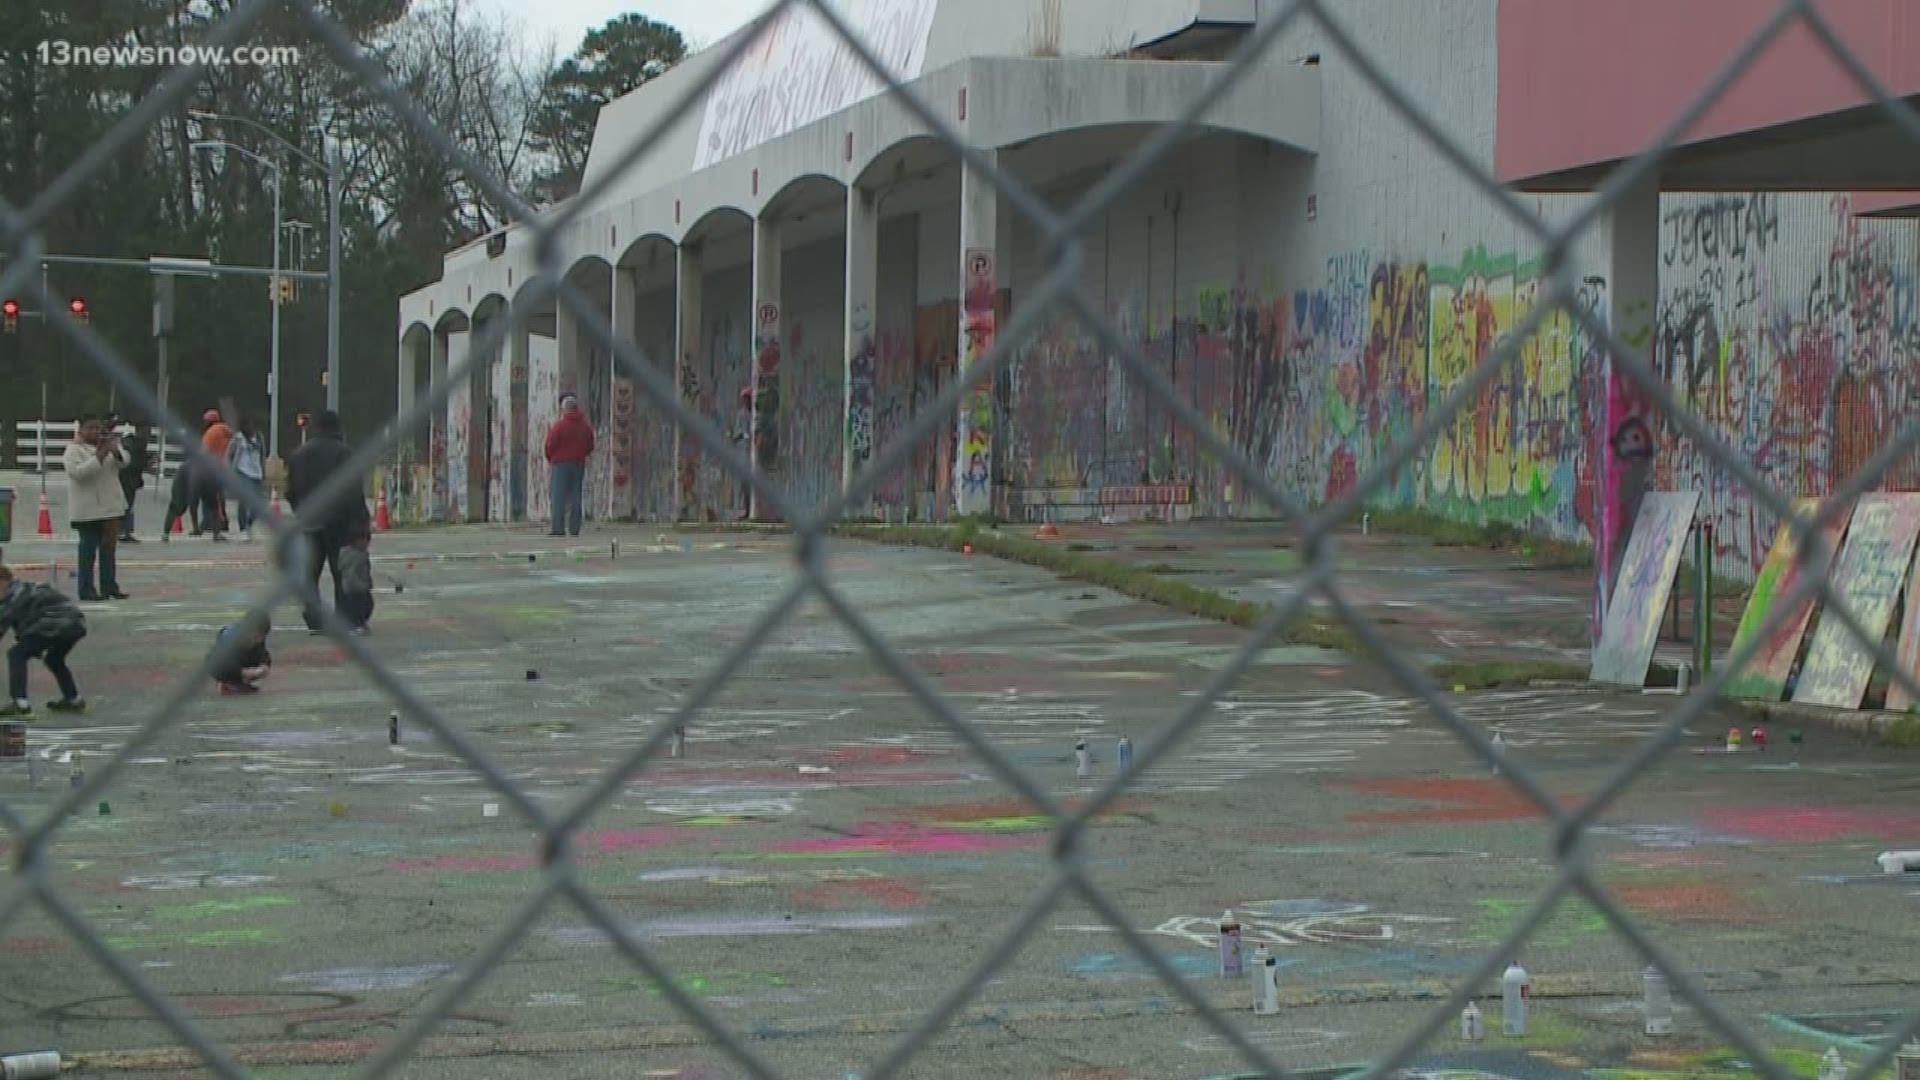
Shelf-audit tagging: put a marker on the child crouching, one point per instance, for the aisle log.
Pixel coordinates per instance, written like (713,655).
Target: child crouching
(241,656)
(45,624)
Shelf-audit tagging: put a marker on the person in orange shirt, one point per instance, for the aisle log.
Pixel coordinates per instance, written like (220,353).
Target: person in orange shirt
(212,500)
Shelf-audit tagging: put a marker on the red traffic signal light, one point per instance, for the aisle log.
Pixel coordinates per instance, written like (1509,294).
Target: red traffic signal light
(78,305)
(10,308)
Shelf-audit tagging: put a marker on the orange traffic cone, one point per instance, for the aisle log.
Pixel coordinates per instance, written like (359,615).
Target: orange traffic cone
(1049,531)
(46,515)
(381,519)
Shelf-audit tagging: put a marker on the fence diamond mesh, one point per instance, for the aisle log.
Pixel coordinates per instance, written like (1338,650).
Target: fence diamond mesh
(1058,289)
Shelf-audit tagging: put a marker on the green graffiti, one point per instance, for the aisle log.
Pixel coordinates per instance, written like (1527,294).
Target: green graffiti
(208,909)
(1570,921)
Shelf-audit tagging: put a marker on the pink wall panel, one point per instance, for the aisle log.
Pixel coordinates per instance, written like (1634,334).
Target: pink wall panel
(1583,83)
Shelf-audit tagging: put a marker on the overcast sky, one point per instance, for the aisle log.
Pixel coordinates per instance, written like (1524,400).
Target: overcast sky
(567,21)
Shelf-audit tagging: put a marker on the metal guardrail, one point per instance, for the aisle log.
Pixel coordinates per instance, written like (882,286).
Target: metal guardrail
(1057,288)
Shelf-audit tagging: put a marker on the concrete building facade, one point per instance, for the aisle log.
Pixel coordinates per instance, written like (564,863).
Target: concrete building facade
(1310,274)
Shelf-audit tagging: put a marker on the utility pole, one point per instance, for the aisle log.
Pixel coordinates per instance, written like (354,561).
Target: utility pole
(333,277)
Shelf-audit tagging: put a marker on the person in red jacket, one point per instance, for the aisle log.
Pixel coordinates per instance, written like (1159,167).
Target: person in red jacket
(569,444)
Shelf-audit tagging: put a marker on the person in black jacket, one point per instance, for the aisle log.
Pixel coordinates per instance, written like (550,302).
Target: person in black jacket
(330,527)
(134,476)
(46,624)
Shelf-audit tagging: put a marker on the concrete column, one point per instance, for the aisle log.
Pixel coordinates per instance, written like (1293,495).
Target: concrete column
(979,288)
(768,457)
(566,332)
(518,452)
(863,300)
(438,507)
(408,372)
(620,418)
(688,280)
(1627,441)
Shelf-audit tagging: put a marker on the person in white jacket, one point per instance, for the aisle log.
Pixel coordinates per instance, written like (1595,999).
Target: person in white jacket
(95,503)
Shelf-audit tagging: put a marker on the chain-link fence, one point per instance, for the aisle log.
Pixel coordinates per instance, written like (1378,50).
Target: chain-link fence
(1057,290)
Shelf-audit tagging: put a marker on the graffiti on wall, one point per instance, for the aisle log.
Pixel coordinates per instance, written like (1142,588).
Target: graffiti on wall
(1789,326)
(459,432)
(499,413)
(543,404)
(813,418)
(860,382)
(621,446)
(766,388)
(517,440)
(974,463)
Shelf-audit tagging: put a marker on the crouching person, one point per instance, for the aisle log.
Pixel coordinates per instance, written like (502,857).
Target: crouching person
(46,624)
(241,659)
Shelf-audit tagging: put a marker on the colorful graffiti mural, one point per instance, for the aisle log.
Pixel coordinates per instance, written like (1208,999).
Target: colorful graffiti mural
(973,465)
(1789,325)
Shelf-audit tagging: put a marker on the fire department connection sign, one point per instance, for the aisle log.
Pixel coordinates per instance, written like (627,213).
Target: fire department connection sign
(799,71)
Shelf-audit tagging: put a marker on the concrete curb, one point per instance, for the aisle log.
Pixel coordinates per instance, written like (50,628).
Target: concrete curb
(1874,726)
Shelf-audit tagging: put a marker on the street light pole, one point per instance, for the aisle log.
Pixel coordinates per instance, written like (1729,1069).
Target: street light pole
(273,377)
(332,168)
(333,278)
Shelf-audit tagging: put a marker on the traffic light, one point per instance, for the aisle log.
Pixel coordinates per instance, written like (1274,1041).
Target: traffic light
(78,305)
(10,308)
(284,284)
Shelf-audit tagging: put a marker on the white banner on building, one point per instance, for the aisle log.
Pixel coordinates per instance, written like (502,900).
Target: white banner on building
(799,71)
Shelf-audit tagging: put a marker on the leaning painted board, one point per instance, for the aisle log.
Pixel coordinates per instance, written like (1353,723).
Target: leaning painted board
(1872,568)
(1765,676)
(1646,577)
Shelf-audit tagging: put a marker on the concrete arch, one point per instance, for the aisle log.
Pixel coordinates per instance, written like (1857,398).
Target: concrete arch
(903,160)
(452,321)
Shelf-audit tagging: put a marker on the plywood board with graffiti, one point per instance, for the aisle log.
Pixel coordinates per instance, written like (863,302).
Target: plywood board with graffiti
(1898,700)
(1765,676)
(1872,569)
(1640,595)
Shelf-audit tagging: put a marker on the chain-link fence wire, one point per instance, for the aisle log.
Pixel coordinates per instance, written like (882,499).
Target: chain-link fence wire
(1058,289)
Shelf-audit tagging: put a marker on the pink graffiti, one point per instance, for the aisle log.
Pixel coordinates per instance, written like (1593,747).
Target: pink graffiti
(465,864)
(901,839)
(629,839)
(1808,824)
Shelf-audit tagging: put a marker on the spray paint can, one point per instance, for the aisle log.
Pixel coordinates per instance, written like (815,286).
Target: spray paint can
(1906,1063)
(1232,960)
(1515,989)
(393,728)
(680,742)
(1125,753)
(1759,737)
(1082,761)
(1473,1026)
(1832,1066)
(40,1065)
(1659,1001)
(1733,739)
(1266,982)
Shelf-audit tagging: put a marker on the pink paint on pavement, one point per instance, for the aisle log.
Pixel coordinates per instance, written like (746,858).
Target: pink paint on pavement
(465,864)
(1808,824)
(612,840)
(906,840)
